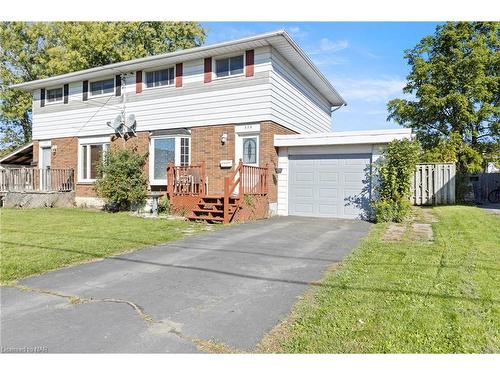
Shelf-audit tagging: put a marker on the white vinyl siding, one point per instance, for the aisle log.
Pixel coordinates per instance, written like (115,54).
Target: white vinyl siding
(238,99)
(295,103)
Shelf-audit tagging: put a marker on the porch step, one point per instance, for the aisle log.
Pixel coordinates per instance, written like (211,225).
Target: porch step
(211,209)
(205,218)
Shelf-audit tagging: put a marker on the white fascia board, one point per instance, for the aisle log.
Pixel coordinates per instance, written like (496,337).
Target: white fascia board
(342,138)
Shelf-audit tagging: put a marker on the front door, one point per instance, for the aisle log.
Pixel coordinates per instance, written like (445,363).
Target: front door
(45,161)
(247,150)
(250,150)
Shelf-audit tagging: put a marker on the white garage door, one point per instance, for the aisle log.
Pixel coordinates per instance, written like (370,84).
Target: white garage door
(329,185)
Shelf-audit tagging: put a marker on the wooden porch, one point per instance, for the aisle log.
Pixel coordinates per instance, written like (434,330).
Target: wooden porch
(27,179)
(187,191)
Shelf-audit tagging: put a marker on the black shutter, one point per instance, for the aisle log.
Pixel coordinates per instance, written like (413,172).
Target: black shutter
(85,90)
(42,97)
(118,85)
(66,93)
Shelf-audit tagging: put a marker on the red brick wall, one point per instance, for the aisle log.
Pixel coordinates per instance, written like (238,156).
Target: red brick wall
(139,144)
(269,154)
(205,146)
(35,153)
(66,156)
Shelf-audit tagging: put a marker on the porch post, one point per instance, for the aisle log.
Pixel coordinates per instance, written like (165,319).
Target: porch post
(203,180)
(226,200)
(170,179)
(266,176)
(240,188)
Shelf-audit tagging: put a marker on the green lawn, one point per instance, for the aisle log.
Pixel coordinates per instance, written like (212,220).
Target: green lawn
(38,240)
(407,297)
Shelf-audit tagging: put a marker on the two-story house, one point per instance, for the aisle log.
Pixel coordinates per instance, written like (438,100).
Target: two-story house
(260,100)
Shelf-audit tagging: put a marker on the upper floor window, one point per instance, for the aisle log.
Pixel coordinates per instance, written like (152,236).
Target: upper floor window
(162,77)
(229,66)
(55,95)
(105,86)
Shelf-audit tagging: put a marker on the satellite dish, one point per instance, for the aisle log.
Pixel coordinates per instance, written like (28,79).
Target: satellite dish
(117,125)
(131,124)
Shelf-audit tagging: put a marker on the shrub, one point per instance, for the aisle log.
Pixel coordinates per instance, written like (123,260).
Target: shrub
(122,182)
(394,172)
(164,205)
(402,210)
(386,210)
(383,210)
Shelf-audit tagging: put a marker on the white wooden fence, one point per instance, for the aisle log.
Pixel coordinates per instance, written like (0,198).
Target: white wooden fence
(433,184)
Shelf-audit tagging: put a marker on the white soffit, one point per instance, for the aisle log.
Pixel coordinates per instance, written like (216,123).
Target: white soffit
(280,40)
(342,138)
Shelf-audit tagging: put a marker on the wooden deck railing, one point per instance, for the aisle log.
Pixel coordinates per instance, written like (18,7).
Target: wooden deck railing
(245,180)
(36,180)
(186,180)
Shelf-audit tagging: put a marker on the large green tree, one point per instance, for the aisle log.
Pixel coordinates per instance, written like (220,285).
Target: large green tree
(454,86)
(30,51)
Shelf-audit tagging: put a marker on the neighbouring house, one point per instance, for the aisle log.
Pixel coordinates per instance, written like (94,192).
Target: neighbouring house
(232,130)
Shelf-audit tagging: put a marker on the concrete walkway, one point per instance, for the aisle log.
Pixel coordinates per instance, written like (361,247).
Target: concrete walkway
(494,208)
(229,286)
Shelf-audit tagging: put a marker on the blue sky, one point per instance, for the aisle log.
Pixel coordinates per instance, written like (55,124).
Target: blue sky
(363,60)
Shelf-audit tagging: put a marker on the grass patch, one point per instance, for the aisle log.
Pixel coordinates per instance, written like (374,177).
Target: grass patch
(406,297)
(34,241)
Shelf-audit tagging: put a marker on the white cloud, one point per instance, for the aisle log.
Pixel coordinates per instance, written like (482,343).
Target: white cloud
(326,45)
(296,32)
(370,90)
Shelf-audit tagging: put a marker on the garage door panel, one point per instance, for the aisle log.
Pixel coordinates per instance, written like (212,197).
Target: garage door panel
(327,193)
(326,177)
(303,176)
(354,161)
(328,162)
(303,209)
(328,209)
(328,185)
(304,192)
(353,178)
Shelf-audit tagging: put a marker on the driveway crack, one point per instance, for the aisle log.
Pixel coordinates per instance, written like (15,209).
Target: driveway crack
(208,346)
(76,300)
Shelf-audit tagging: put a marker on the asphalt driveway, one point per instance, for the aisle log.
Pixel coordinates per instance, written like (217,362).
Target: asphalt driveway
(229,286)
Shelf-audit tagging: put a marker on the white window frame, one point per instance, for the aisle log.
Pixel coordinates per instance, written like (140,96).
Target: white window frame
(177,157)
(55,101)
(241,139)
(145,78)
(214,66)
(89,142)
(90,95)
(246,131)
